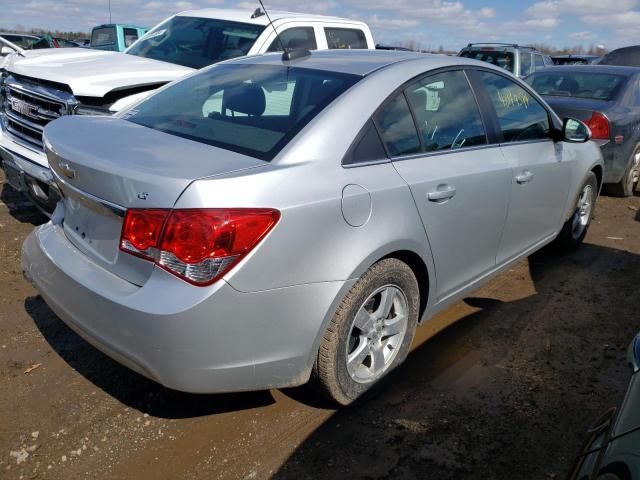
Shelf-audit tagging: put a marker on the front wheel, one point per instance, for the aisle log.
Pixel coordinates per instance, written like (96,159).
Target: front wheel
(370,333)
(575,229)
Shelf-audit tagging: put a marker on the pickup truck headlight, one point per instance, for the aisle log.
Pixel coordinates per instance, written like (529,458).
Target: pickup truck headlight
(89,110)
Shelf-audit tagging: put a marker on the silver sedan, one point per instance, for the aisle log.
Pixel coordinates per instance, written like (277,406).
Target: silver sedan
(266,221)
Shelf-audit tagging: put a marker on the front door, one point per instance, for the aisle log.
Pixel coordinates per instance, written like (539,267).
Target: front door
(541,175)
(460,184)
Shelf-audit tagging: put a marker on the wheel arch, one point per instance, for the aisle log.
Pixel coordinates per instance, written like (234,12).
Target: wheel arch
(416,255)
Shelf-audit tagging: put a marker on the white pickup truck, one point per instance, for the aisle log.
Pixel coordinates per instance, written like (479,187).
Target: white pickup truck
(41,85)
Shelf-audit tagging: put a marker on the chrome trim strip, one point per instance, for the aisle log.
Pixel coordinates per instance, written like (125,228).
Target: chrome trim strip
(45,93)
(114,208)
(24,122)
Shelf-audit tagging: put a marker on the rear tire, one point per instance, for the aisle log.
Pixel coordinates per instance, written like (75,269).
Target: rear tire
(370,333)
(629,182)
(575,229)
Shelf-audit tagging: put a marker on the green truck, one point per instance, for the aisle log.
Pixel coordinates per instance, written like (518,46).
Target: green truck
(115,36)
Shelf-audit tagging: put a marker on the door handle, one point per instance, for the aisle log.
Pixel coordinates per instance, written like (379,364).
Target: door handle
(444,192)
(524,177)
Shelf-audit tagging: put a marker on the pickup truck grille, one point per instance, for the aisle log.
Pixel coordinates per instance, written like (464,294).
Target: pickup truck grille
(29,107)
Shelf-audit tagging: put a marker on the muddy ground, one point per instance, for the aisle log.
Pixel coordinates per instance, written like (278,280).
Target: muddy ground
(505,393)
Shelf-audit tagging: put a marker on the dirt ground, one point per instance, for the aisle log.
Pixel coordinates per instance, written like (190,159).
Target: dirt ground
(505,393)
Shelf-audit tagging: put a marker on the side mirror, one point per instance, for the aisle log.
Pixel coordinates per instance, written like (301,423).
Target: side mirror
(575,131)
(6,50)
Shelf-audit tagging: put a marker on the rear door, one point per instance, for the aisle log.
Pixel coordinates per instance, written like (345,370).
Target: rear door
(540,171)
(436,137)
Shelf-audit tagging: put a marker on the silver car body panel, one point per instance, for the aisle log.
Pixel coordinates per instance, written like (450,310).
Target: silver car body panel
(261,325)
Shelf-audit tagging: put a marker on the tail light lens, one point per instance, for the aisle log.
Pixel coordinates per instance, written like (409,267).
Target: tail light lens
(599,125)
(197,245)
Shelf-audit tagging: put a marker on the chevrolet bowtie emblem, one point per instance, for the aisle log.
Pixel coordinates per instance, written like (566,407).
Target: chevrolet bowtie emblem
(66,170)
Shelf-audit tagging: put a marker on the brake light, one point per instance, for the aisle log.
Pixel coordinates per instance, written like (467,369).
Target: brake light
(599,126)
(197,245)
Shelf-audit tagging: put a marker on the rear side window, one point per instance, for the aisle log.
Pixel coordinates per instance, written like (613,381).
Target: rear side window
(520,115)
(250,109)
(297,37)
(538,61)
(499,58)
(103,36)
(345,38)
(396,126)
(367,148)
(525,64)
(446,112)
(130,36)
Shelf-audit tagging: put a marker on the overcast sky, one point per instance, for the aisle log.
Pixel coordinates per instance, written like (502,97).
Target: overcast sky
(431,22)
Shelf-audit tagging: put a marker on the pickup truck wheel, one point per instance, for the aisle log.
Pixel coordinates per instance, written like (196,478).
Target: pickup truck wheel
(575,229)
(629,182)
(370,333)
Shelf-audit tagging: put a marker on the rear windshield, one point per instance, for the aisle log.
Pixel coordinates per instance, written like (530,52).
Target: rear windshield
(500,58)
(196,42)
(251,109)
(599,86)
(103,36)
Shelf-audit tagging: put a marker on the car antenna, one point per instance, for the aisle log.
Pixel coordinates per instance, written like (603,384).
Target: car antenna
(18,50)
(287,55)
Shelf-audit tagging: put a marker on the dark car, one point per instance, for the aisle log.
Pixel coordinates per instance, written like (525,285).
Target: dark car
(612,450)
(574,59)
(607,99)
(625,57)
(47,41)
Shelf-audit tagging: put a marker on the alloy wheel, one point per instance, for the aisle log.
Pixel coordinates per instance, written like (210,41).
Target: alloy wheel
(376,334)
(582,216)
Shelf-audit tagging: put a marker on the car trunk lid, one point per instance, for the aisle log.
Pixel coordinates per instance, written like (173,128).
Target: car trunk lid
(106,165)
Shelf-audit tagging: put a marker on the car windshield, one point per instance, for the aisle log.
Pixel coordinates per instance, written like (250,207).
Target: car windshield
(20,41)
(196,42)
(500,58)
(587,84)
(250,109)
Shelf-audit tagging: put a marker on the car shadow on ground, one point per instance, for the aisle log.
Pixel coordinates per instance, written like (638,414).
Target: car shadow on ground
(506,392)
(20,207)
(128,387)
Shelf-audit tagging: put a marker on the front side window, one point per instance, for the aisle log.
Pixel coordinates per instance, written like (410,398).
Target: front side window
(250,109)
(103,36)
(396,127)
(446,112)
(521,117)
(196,42)
(297,37)
(345,38)
(130,36)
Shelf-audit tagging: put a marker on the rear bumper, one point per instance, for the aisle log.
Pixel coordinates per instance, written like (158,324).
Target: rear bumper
(193,339)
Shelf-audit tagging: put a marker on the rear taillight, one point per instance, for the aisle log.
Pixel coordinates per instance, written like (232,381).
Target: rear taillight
(599,126)
(197,245)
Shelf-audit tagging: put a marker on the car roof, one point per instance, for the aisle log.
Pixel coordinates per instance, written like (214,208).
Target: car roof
(123,25)
(612,69)
(360,62)
(574,55)
(245,16)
